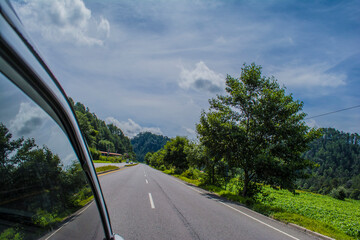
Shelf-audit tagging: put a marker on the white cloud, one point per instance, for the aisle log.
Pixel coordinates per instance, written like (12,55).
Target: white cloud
(63,20)
(28,119)
(201,78)
(131,128)
(311,123)
(307,77)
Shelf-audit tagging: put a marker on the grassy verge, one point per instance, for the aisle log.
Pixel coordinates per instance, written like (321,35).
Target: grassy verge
(129,165)
(319,213)
(86,201)
(106,168)
(102,161)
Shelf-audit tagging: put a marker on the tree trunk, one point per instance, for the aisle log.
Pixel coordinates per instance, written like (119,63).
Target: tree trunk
(246,184)
(212,175)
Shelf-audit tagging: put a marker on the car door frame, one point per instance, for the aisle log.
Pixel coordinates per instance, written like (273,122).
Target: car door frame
(22,64)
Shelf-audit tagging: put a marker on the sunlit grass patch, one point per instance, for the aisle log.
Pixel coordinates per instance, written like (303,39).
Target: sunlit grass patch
(310,224)
(106,168)
(332,214)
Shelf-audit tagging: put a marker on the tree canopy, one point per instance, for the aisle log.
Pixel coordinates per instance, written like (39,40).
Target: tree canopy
(258,129)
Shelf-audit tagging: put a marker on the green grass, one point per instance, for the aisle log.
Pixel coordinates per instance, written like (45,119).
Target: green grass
(106,168)
(311,224)
(331,215)
(86,201)
(129,165)
(196,182)
(102,161)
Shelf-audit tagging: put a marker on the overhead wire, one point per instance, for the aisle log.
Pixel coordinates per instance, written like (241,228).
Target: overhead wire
(324,114)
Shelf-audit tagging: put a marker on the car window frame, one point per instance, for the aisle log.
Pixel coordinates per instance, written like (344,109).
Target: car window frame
(22,64)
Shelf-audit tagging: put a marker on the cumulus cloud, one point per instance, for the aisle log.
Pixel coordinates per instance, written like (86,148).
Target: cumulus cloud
(307,77)
(131,128)
(64,20)
(28,119)
(201,78)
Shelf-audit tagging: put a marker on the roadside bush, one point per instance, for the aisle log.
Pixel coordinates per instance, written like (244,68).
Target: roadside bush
(235,185)
(355,194)
(44,218)
(191,173)
(338,193)
(95,154)
(11,234)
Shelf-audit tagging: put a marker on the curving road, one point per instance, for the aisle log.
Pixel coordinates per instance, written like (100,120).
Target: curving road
(144,203)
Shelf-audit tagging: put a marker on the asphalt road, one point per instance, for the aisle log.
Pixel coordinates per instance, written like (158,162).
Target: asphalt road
(144,203)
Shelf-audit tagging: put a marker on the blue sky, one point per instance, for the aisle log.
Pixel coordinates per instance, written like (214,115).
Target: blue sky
(153,65)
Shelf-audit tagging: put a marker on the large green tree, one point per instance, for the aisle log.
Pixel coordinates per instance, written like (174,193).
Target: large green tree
(259,129)
(175,154)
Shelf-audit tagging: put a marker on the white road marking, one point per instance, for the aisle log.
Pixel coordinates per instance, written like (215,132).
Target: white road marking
(151,201)
(274,228)
(146,181)
(194,189)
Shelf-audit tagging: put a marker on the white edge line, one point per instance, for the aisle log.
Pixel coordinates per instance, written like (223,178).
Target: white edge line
(68,222)
(243,213)
(151,201)
(274,228)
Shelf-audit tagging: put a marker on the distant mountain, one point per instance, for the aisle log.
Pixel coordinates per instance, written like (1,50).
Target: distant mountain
(338,156)
(147,142)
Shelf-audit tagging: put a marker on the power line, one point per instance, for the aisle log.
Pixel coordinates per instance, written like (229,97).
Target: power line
(324,114)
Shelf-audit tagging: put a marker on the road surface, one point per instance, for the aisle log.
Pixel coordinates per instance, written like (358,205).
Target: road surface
(144,203)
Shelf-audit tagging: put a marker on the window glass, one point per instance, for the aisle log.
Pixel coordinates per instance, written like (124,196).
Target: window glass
(43,190)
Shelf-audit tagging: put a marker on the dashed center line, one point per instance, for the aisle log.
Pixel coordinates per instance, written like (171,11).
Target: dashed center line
(151,201)
(146,181)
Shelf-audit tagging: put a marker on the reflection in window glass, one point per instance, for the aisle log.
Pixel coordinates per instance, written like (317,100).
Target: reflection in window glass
(43,190)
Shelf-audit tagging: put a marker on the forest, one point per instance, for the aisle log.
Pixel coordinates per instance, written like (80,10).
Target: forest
(101,136)
(146,142)
(337,158)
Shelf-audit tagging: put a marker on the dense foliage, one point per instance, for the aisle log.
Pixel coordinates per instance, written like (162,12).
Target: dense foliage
(338,157)
(172,156)
(34,181)
(99,135)
(257,129)
(147,142)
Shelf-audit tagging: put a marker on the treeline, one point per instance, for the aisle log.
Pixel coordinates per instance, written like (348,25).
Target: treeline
(337,155)
(99,135)
(147,142)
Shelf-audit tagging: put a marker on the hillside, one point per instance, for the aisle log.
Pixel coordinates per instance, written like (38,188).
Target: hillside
(99,135)
(338,157)
(147,142)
